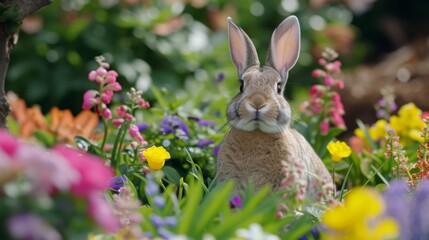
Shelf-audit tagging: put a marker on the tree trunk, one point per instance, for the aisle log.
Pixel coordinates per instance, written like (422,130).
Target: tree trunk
(8,39)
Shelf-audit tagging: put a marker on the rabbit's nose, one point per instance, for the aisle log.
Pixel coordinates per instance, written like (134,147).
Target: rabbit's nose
(258,101)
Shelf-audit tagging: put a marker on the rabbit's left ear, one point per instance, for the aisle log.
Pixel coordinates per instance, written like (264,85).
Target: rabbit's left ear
(284,47)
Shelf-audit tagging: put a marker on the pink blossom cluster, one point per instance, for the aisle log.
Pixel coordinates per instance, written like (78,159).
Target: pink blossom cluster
(324,100)
(62,169)
(125,115)
(126,207)
(107,86)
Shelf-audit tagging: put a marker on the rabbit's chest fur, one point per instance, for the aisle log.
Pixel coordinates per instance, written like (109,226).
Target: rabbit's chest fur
(257,157)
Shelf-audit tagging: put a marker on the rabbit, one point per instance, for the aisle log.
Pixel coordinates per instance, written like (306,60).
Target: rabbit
(261,138)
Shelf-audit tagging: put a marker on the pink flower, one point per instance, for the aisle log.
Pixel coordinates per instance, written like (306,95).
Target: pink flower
(92,75)
(117,122)
(128,117)
(89,99)
(333,67)
(322,61)
(101,71)
(337,119)
(318,73)
(316,91)
(142,103)
(106,113)
(46,170)
(329,81)
(324,127)
(115,86)
(339,84)
(103,213)
(338,105)
(95,176)
(31,226)
(8,143)
(134,132)
(121,110)
(106,96)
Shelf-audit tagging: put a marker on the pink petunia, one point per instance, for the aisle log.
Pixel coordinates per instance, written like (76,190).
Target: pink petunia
(8,143)
(94,174)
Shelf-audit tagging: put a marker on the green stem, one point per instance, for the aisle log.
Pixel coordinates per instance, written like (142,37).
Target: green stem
(104,137)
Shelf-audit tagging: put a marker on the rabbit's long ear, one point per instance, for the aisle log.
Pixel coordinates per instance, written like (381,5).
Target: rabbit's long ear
(284,47)
(243,52)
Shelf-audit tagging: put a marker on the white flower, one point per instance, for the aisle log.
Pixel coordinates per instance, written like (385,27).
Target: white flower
(255,232)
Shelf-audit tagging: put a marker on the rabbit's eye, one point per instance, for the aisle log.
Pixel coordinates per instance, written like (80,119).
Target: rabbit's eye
(241,86)
(279,87)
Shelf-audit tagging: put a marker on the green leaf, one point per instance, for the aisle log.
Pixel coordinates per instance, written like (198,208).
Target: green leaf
(190,213)
(46,138)
(158,96)
(301,226)
(172,175)
(212,206)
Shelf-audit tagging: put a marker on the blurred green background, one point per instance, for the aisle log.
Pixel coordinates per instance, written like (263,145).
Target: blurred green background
(180,45)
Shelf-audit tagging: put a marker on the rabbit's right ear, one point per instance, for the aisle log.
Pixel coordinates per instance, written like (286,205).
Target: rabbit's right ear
(243,52)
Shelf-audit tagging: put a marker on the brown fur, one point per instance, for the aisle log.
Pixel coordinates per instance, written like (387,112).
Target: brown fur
(261,139)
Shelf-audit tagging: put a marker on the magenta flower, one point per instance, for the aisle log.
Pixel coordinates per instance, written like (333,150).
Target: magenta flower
(236,202)
(89,99)
(8,143)
(46,170)
(121,110)
(94,174)
(329,81)
(106,113)
(134,132)
(117,122)
(324,127)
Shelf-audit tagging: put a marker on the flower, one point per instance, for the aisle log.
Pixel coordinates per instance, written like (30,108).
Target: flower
(89,99)
(255,232)
(204,142)
(8,143)
(236,202)
(31,226)
(117,183)
(156,157)
(175,125)
(103,213)
(338,150)
(409,209)
(361,217)
(95,176)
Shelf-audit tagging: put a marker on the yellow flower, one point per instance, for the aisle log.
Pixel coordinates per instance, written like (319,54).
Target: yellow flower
(408,124)
(156,157)
(338,150)
(378,130)
(359,218)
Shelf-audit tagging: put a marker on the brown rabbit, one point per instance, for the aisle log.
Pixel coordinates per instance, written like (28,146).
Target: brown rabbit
(261,138)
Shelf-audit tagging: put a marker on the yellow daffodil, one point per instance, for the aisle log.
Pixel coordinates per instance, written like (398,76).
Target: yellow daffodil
(156,156)
(359,218)
(338,150)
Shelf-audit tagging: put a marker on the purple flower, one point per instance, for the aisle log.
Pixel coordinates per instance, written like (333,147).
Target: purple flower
(174,124)
(159,201)
(170,221)
(142,126)
(156,220)
(411,214)
(216,149)
(151,187)
(117,183)
(220,77)
(31,226)
(206,123)
(204,142)
(236,202)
